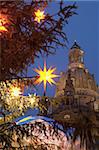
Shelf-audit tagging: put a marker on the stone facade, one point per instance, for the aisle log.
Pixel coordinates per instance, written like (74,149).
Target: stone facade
(84,84)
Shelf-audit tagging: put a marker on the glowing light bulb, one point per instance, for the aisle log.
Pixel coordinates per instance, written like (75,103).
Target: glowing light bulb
(15,91)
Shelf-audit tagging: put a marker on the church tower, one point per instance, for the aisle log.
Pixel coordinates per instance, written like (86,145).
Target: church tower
(84,84)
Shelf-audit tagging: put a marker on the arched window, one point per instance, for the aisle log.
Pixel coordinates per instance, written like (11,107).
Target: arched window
(96,106)
(89,83)
(82,59)
(71,58)
(73,81)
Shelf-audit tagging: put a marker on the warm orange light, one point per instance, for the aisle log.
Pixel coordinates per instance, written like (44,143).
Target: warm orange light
(39,15)
(2,28)
(15,91)
(3,21)
(46,76)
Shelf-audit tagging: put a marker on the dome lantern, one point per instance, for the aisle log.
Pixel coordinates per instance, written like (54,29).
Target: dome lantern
(76,58)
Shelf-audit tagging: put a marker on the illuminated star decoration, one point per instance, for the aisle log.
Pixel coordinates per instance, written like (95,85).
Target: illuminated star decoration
(39,15)
(15,91)
(45,76)
(3,21)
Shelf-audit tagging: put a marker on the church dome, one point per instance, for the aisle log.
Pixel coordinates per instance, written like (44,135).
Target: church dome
(83,82)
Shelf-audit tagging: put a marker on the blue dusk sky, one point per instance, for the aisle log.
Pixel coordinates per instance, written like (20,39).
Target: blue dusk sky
(84,28)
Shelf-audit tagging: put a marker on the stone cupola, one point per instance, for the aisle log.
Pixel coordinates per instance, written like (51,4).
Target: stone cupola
(77,81)
(76,57)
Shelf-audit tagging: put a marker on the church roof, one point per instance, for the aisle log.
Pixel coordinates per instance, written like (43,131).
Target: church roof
(75,45)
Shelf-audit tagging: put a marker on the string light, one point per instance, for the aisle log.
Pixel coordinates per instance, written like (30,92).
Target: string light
(15,91)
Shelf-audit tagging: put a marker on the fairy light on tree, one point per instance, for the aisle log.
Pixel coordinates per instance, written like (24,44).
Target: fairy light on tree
(13,99)
(39,15)
(46,75)
(15,91)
